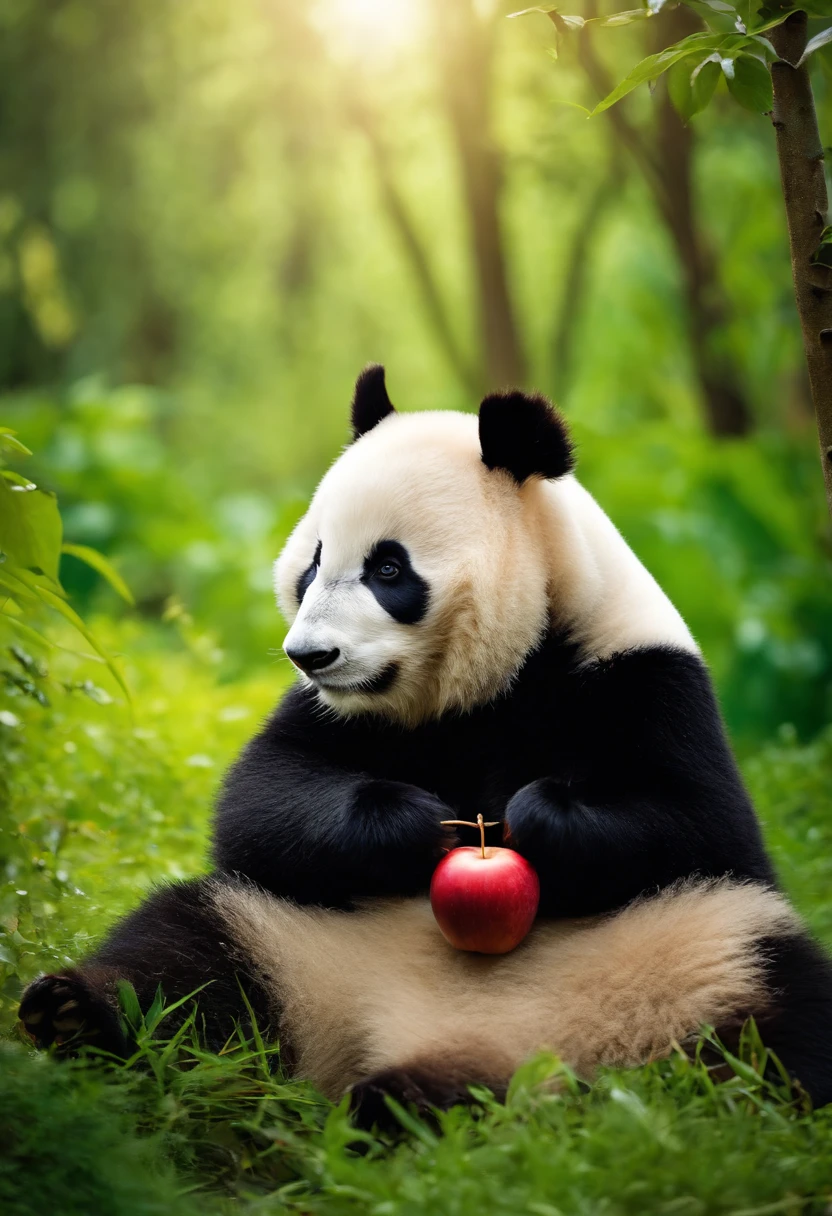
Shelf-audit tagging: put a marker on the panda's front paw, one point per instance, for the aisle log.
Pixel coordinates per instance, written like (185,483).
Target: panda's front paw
(67,1011)
(538,819)
(403,818)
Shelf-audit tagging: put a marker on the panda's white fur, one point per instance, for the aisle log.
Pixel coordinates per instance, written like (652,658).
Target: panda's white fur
(359,992)
(504,562)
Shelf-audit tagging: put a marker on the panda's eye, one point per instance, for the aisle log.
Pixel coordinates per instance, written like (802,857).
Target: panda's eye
(389,570)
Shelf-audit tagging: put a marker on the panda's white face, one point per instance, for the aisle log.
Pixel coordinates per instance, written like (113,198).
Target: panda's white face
(437,551)
(416,582)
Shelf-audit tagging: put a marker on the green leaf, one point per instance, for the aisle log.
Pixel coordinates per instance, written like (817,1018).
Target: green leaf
(718,15)
(704,81)
(30,635)
(775,12)
(39,639)
(762,47)
(680,88)
(129,1003)
(746,1072)
(564,22)
(15,587)
(60,606)
(8,440)
(532,1075)
(750,84)
(99,563)
(15,479)
(411,1123)
(823,254)
(30,528)
(561,21)
(155,1011)
(654,66)
(545,9)
(626,18)
(690,91)
(814,44)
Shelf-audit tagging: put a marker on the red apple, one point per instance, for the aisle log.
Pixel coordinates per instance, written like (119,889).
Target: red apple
(484,899)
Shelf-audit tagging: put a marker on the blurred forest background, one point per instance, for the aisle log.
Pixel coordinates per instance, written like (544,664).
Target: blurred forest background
(212,215)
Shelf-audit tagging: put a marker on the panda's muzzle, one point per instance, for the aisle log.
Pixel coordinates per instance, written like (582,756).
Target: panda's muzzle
(313,660)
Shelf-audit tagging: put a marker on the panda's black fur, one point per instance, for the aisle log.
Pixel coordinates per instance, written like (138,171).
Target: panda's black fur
(614,780)
(613,776)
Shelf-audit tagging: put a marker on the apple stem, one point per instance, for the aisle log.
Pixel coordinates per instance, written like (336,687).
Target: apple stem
(466,823)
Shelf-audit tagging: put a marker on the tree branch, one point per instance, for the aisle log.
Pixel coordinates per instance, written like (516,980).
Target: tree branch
(800,153)
(577,268)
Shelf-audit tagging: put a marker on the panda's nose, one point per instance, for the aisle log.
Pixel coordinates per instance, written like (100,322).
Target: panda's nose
(312,660)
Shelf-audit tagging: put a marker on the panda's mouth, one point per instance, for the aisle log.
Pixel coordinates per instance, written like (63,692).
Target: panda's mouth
(378,683)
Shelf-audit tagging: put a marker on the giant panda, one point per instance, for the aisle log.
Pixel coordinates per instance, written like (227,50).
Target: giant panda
(472,635)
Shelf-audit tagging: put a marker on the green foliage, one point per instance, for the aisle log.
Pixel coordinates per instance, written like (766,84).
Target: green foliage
(734,47)
(126,496)
(83,783)
(693,50)
(664,1138)
(30,550)
(735,533)
(70,1144)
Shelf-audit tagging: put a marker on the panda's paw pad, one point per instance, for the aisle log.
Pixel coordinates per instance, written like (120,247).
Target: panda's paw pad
(61,1009)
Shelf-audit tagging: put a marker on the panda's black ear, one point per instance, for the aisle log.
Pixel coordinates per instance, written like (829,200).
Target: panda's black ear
(370,402)
(525,435)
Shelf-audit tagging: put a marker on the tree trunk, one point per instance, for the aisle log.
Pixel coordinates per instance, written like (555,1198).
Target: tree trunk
(724,401)
(666,159)
(464,47)
(800,153)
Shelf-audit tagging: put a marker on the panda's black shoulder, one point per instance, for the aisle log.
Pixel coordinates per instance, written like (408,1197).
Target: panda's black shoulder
(304,722)
(648,682)
(657,710)
(659,683)
(652,703)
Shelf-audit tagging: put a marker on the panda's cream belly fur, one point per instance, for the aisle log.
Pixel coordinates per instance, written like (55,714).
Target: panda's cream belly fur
(362,991)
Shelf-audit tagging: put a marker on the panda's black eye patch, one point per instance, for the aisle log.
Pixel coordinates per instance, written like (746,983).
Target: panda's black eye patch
(389,574)
(308,577)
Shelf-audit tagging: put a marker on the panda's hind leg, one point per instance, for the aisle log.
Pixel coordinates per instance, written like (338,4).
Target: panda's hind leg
(177,940)
(428,1084)
(797,1027)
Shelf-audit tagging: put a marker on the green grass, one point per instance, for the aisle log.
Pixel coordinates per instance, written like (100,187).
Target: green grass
(95,805)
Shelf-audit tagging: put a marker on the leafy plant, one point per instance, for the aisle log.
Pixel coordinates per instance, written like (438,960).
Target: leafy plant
(734,48)
(762,50)
(31,536)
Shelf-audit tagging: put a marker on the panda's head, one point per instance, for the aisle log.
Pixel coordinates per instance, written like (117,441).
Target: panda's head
(418,580)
